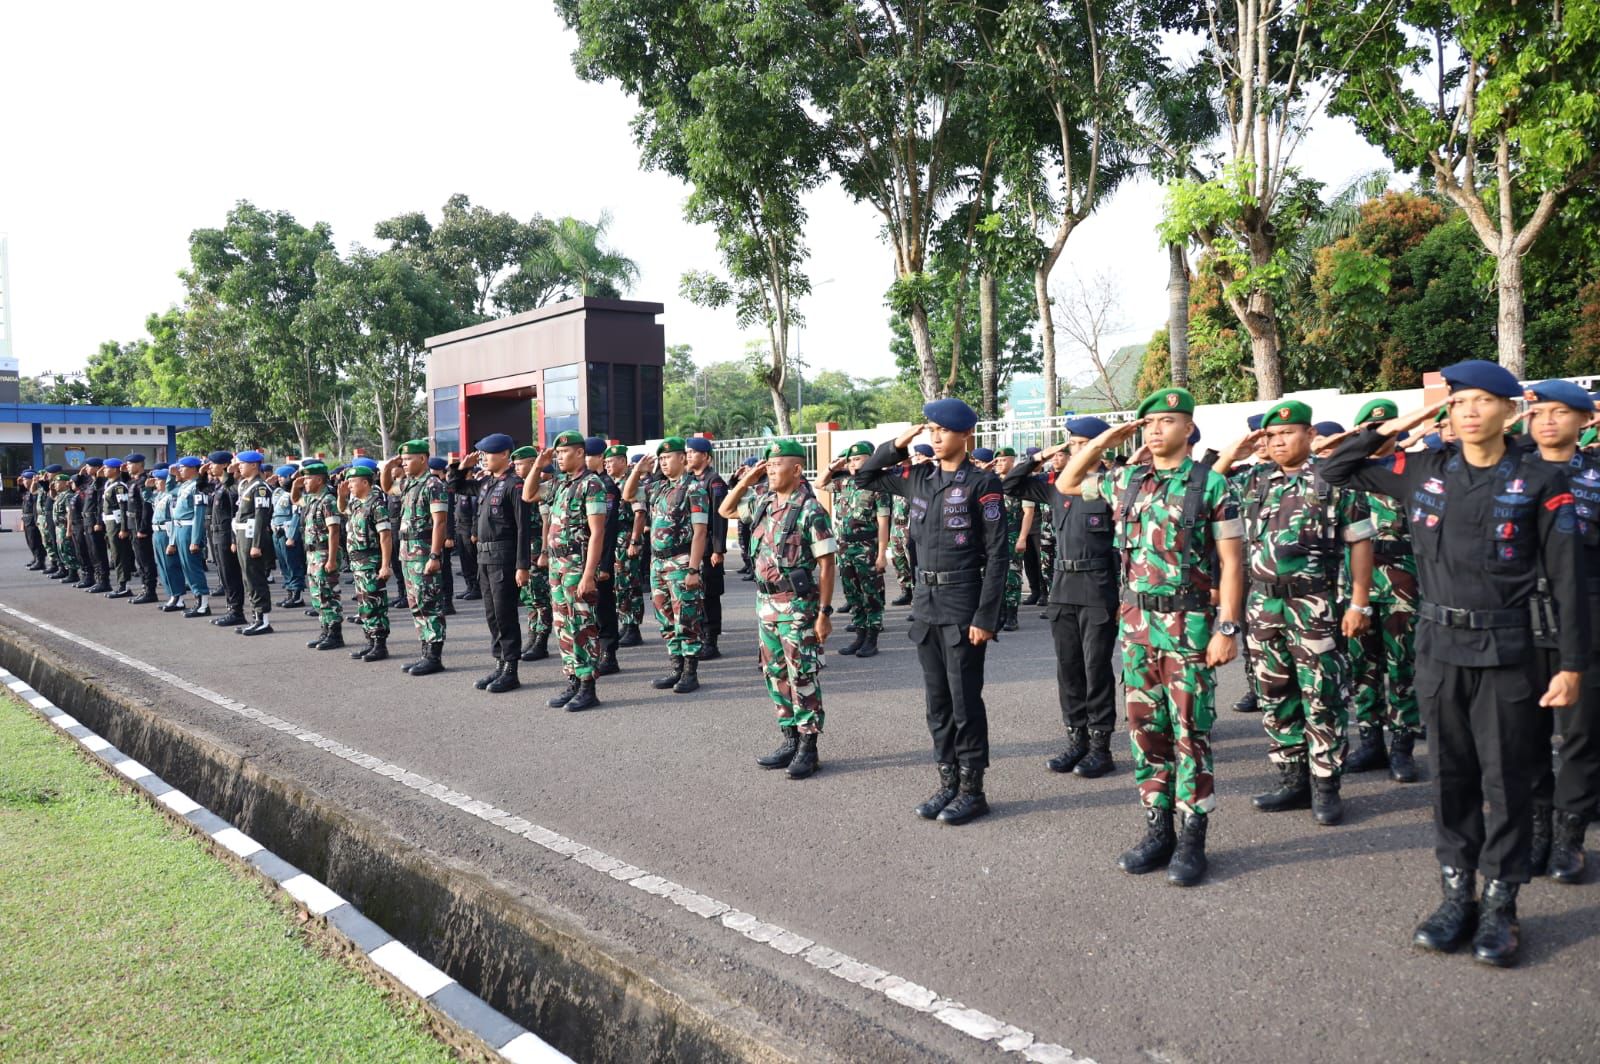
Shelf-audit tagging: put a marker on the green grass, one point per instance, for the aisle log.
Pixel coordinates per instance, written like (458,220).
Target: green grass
(122,938)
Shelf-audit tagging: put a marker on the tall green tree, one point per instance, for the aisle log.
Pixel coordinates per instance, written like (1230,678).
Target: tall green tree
(575,251)
(477,250)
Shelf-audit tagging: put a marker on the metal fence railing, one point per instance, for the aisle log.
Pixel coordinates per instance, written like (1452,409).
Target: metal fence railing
(1034,432)
(729,455)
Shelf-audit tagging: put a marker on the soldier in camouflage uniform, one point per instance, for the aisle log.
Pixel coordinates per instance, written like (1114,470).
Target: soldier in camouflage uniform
(319,511)
(1384,655)
(424,521)
(1297,530)
(792,548)
(629,573)
(534,595)
(574,540)
(370,540)
(1178,531)
(679,529)
(861,520)
(61,508)
(1021,518)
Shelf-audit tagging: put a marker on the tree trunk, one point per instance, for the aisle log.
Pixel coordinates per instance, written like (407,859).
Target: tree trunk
(1178,314)
(1047,339)
(383,423)
(778,376)
(1511,320)
(1262,324)
(989,344)
(922,341)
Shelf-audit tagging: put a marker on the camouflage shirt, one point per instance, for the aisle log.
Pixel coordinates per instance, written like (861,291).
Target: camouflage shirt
(1294,530)
(366,520)
(321,512)
(1147,534)
(574,498)
(777,555)
(1393,564)
(676,506)
(856,510)
(420,498)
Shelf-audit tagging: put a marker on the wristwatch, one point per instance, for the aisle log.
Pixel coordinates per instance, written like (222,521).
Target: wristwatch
(1229,628)
(827,611)
(1365,611)
(435,556)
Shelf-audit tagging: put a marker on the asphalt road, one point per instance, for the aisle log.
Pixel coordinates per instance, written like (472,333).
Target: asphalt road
(1296,946)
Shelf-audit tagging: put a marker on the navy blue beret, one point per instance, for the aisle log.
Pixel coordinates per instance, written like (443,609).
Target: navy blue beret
(252,456)
(1087,427)
(636,459)
(1560,391)
(982,454)
(160,474)
(924,449)
(1254,422)
(595,446)
(1194,435)
(952,414)
(698,443)
(748,462)
(26,473)
(1328,428)
(433,463)
(189,461)
(369,463)
(134,457)
(285,471)
(52,469)
(220,457)
(94,463)
(113,463)
(1033,451)
(496,442)
(162,465)
(1486,376)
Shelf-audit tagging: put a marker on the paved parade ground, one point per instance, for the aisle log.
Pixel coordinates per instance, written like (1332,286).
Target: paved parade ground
(1295,947)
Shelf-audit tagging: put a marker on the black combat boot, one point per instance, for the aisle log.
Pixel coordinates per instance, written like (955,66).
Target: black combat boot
(432,655)
(630,636)
(361,652)
(1452,923)
(1402,764)
(235,616)
(143,598)
(1008,621)
(785,752)
(471,594)
(1097,762)
(904,599)
(709,651)
(1187,865)
(608,662)
(949,786)
(422,657)
(661,683)
(860,641)
(379,651)
(263,626)
(690,680)
(1369,752)
(539,649)
(585,698)
(969,803)
(1496,940)
(1539,849)
(563,697)
(1293,790)
(1155,849)
(311,611)
(101,587)
(121,592)
(494,674)
(506,681)
(321,635)
(869,645)
(1566,850)
(1327,807)
(1248,704)
(805,760)
(334,639)
(1077,748)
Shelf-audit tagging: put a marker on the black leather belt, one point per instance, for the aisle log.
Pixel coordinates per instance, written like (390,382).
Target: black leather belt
(1082,565)
(1453,617)
(859,537)
(1391,550)
(1184,603)
(1283,589)
(960,576)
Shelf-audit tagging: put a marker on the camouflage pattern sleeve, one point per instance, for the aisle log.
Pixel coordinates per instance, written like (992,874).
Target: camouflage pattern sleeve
(1222,508)
(594,497)
(438,497)
(1355,516)
(699,504)
(1106,486)
(882,505)
(817,531)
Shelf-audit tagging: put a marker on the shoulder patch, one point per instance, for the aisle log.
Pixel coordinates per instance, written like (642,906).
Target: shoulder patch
(1556,502)
(1399,461)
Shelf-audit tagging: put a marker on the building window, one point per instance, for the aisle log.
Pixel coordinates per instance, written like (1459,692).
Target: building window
(624,402)
(650,402)
(446,421)
(599,398)
(560,400)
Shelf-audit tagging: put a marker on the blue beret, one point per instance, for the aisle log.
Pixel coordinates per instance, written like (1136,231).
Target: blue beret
(1194,435)
(94,463)
(1490,377)
(366,463)
(952,414)
(1560,391)
(134,457)
(161,465)
(159,474)
(495,443)
(1087,427)
(52,469)
(636,459)
(1033,451)
(252,456)
(1328,428)
(113,463)
(1433,441)
(285,471)
(595,446)
(748,462)
(698,443)
(924,449)
(26,473)
(189,461)
(220,457)
(1253,422)
(982,454)
(433,463)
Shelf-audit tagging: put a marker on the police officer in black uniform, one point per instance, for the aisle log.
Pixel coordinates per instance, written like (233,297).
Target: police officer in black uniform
(221,505)
(605,607)
(712,574)
(502,551)
(113,504)
(464,525)
(1082,607)
(137,523)
(1484,514)
(252,537)
(30,515)
(97,576)
(958,524)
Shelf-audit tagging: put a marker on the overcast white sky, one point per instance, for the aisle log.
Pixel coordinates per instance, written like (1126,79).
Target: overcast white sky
(129,125)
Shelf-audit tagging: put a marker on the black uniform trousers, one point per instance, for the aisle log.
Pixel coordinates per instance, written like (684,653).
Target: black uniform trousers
(121,557)
(497,579)
(745,560)
(30,532)
(713,579)
(83,547)
(447,579)
(952,680)
(1575,787)
(228,574)
(1481,724)
(605,612)
(255,576)
(1031,566)
(144,559)
(1085,683)
(100,557)
(468,552)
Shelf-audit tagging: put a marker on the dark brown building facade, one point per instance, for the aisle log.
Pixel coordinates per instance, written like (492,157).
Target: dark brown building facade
(593,365)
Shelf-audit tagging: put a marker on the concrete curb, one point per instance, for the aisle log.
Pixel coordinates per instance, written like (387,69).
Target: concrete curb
(445,997)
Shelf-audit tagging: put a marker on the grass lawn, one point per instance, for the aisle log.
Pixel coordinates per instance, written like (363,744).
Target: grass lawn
(121,938)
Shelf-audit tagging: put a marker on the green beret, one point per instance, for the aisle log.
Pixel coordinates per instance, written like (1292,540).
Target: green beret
(317,469)
(786,449)
(1167,401)
(415,447)
(528,452)
(616,450)
(63,476)
(1376,410)
(1588,437)
(1006,452)
(1441,415)
(365,472)
(858,449)
(1287,412)
(569,438)
(669,445)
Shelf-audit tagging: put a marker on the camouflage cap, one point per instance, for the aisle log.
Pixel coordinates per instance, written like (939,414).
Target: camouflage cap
(786,449)
(531,452)
(1376,410)
(1167,401)
(670,445)
(415,447)
(569,438)
(1288,412)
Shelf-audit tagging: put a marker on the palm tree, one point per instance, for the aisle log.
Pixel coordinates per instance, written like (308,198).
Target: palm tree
(575,253)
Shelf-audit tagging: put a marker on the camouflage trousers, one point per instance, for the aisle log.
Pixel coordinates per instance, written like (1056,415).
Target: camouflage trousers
(630,589)
(372,598)
(1297,653)
(576,627)
(535,595)
(52,549)
(324,587)
(900,555)
(1013,594)
(680,610)
(1047,548)
(65,552)
(863,584)
(1386,651)
(426,593)
(790,658)
(1171,702)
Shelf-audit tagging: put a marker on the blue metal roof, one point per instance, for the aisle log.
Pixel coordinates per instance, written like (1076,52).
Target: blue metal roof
(181,417)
